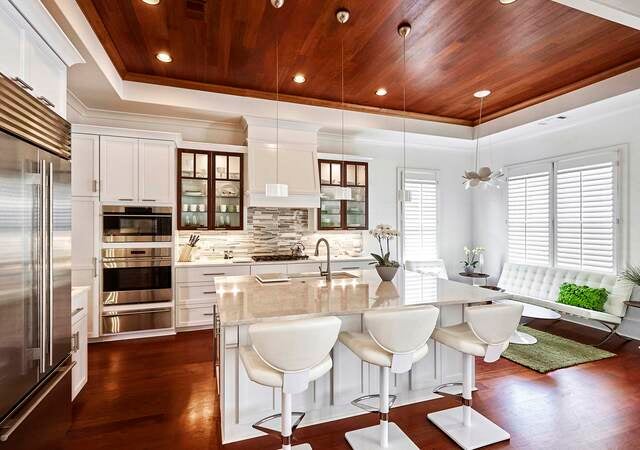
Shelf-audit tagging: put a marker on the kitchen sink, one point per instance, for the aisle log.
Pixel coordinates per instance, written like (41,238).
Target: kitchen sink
(316,275)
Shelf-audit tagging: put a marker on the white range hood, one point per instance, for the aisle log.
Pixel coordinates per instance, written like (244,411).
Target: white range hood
(297,162)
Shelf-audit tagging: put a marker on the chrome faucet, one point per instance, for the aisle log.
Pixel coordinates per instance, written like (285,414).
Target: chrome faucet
(323,273)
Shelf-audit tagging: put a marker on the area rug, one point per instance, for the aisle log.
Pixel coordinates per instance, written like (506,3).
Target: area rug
(552,352)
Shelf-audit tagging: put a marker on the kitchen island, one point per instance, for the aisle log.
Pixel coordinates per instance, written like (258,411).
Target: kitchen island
(243,300)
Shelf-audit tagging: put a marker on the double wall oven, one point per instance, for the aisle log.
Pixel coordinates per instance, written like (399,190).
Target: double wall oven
(137,290)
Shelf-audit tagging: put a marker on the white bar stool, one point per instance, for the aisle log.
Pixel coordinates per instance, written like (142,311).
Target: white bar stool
(395,341)
(288,355)
(486,334)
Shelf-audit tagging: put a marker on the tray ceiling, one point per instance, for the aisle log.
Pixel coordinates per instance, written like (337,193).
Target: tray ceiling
(526,52)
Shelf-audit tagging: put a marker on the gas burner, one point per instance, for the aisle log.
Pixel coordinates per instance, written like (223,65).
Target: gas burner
(263,258)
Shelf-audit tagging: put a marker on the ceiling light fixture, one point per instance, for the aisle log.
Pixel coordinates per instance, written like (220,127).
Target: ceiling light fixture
(381,92)
(151,2)
(403,30)
(277,189)
(507,2)
(164,57)
(299,78)
(342,193)
(482,176)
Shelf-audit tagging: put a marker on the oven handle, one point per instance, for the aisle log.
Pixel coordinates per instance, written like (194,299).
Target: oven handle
(136,216)
(106,264)
(136,311)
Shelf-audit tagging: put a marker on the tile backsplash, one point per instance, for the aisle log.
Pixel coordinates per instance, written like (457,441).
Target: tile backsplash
(273,230)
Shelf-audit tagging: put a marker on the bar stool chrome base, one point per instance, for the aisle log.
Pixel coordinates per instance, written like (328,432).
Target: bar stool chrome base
(479,433)
(369,439)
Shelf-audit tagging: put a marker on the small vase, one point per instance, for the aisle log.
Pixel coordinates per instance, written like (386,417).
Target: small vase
(387,273)
(468,269)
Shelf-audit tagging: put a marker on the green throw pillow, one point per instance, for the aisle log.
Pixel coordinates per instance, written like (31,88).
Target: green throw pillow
(583,296)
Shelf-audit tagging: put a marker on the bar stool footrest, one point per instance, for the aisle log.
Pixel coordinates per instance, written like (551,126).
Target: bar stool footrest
(270,431)
(479,433)
(359,402)
(369,439)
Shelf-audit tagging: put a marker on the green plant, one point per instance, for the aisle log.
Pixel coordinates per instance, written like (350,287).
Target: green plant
(583,296)
(472,257)
(632,274)
(384,233)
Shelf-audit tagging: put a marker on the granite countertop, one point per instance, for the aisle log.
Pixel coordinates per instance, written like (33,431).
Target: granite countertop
(244,300)
(243,261)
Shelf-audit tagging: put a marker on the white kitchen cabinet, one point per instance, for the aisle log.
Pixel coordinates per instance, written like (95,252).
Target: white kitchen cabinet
(195,315)
(12,38)
(156,176)
(85,232)
(85,165)
(118,169)
(79,340)
(350,265)
(30,61)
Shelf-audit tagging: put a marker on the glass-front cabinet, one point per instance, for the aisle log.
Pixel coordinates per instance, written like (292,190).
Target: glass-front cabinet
(336,214)
(210,190)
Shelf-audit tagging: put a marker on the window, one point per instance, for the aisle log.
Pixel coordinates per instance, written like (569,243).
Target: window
(585,214)
(564,213)
(420,216)
(529,218)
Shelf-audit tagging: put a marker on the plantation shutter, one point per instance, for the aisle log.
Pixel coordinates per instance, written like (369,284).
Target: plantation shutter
(420,216)
(586,213)
(528,216)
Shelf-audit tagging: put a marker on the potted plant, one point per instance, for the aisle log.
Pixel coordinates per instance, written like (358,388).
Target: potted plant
(471,258)
(632,274)
(385,266)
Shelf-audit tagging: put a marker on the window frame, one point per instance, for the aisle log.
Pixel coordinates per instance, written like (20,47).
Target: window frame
(400,180)
(619,154)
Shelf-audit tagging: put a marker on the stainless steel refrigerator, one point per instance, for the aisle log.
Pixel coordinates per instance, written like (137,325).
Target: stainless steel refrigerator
(35,273)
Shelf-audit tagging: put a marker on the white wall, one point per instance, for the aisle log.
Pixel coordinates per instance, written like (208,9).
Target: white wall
(455,202)
(489,228)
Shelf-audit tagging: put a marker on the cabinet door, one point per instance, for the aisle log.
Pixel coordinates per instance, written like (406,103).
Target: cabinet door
(79,350)
(85,165)
(46,73)
(11,36)
(84,233)
(156,177)
(118,169)
(87,277)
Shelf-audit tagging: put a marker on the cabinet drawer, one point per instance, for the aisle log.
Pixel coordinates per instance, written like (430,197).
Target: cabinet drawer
(350,265)
(268,268)
(195,315)
(303,267)
(208,274)
(188,293)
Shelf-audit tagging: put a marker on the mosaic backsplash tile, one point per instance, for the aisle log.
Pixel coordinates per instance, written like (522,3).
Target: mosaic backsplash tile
(273,230)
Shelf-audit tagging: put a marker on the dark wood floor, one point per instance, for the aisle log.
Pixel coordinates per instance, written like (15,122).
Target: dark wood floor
(160,394)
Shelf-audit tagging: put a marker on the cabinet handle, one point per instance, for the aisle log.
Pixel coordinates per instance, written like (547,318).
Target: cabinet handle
(125,199)
(75,342)
(95,267)
(217,274)
(148,200)
(95,185)
(76,311)
(349,268)
(208,314)
(46,101)
(23,84)
(209,292)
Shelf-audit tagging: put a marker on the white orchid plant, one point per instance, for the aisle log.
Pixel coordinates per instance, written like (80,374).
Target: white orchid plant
(472,257)
(384,233)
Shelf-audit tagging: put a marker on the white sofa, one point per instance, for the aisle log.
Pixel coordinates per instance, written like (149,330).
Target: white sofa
(540,285)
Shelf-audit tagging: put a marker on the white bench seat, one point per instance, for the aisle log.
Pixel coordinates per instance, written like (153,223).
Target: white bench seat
(540,286)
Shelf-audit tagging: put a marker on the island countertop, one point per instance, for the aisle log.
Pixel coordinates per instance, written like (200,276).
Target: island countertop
(244,300)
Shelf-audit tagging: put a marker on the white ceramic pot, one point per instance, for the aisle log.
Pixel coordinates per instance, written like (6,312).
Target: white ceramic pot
(386,273)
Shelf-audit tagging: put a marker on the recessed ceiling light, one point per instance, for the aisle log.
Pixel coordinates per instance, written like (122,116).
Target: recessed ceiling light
(482,94)
(151,2)
(381,92)
(507,2)
(299,78)
(164,57)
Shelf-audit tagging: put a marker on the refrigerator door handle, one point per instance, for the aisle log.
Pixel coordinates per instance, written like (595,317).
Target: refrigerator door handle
(6,430)
(42,294)
(50,261)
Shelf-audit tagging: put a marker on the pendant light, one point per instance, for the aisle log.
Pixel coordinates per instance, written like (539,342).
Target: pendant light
(342,193)
(277,189)
(481,176)
(403,30)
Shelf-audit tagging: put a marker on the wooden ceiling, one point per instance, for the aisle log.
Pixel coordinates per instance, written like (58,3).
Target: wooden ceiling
(526,52)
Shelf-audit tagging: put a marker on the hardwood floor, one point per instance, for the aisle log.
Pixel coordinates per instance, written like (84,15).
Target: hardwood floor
(160,394)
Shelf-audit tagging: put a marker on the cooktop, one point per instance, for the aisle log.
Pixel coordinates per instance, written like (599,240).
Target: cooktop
(284,257)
